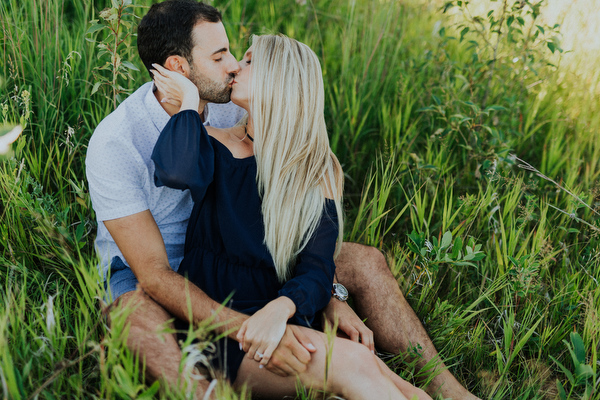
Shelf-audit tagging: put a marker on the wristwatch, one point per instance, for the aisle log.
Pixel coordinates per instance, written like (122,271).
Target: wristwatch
(339,292)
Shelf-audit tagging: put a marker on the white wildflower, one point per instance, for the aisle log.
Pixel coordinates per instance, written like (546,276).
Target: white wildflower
(66,69)
(50,320)
(211,388)
(8,138)
(196,353)
(26,102)
(69,133)
(429,246)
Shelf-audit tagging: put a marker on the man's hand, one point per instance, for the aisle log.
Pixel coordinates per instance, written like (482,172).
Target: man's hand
(293,354)
(348,322)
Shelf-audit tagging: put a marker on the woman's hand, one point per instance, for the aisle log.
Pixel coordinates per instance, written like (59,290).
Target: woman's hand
(176,88)
(348,322)
(260,334)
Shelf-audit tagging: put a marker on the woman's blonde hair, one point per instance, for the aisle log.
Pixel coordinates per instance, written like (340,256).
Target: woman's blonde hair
(296,167)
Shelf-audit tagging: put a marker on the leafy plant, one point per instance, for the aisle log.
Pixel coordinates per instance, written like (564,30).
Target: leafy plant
(585,376)
(507,42)
(523,275)
(432,253)
(115,47)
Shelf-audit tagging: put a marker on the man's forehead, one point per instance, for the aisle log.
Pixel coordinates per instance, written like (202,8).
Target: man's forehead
(210,37)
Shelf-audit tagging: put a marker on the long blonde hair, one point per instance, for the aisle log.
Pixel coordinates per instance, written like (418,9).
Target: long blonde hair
(296,167)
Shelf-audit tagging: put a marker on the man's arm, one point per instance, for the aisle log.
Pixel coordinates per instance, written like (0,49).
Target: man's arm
(142,245)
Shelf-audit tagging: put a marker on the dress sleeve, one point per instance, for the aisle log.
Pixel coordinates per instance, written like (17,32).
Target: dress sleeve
(310,288)
(183,155)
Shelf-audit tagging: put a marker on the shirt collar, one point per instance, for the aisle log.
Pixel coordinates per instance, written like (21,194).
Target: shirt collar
(158,115)
(207,115)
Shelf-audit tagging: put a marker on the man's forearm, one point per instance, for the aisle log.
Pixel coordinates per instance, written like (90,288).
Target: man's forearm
(141,243)
(178,295)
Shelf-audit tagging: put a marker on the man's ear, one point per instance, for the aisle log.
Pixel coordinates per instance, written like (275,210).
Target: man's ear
(178,64)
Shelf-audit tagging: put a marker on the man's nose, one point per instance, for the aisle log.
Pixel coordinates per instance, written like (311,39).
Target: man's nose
(234,66)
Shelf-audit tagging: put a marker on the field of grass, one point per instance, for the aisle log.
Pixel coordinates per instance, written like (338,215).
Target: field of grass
(472,159)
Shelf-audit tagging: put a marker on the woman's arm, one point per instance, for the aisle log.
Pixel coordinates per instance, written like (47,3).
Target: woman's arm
(184,156)
(260,334)
(300,298)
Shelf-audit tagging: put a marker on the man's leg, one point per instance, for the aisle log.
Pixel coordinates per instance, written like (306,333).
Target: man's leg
(365,273)
(162,356)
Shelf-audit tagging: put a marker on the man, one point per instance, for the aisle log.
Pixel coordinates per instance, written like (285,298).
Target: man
(141,228)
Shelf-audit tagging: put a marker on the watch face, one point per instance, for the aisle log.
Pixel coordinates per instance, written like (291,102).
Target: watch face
(340,291)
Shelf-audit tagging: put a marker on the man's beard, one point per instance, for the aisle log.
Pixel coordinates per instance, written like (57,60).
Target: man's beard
(209,90)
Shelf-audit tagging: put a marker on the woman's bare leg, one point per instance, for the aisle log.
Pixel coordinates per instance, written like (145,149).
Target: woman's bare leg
(405,387)
(354,373)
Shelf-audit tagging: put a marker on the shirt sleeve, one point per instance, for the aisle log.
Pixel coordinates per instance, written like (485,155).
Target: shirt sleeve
(184,156)
(116,174)
(310,288)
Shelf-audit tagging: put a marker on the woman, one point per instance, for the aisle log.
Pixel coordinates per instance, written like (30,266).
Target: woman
(263,232)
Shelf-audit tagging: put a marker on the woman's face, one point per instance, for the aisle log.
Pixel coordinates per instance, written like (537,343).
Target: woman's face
(240,93)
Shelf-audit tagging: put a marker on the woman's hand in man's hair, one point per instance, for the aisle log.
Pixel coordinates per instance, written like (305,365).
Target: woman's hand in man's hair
(175,88)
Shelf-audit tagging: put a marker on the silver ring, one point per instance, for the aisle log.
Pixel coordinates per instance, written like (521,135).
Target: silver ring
(259,354)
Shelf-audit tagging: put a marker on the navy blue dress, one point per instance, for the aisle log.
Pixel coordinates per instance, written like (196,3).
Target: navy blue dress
(225,254)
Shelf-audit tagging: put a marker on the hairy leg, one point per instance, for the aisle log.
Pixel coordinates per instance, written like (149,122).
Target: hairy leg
(364,271)
(147,321)
(354,373)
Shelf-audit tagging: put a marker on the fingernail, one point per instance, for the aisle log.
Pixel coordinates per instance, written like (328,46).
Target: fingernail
(373,351)
(261,366)
(311,347)
(240,346)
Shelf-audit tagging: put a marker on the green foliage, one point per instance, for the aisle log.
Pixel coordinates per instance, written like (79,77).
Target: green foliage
(431,253)
(118,22)
(584,375)
(424,125)
(508,42)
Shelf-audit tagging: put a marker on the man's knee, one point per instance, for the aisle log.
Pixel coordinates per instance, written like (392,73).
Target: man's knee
(143,316)
(357,262)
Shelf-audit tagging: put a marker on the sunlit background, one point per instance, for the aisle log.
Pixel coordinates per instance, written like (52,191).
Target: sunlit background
(579,22)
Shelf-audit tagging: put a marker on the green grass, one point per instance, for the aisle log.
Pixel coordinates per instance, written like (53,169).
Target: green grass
(409,116)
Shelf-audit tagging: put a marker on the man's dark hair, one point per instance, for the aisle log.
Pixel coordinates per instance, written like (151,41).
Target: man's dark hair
(166,30)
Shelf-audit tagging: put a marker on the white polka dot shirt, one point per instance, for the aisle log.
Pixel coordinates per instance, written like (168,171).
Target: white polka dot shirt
(121,175)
